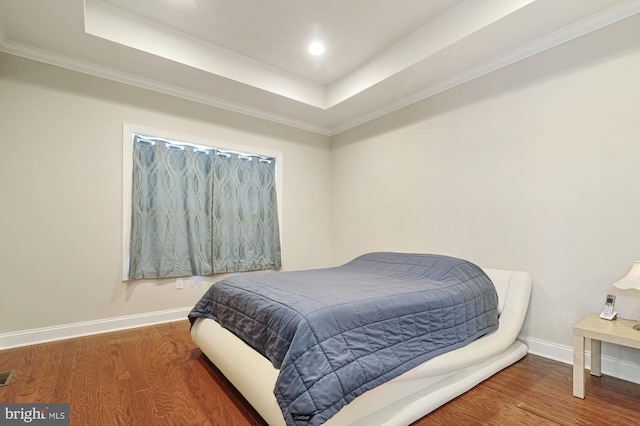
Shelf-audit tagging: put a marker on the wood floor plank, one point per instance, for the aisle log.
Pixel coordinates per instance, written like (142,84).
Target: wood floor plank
(85,381)
(63,372)
(34,373)
(157,376)
(109,377)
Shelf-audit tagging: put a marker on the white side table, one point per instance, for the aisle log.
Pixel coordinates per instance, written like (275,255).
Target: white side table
(619,331)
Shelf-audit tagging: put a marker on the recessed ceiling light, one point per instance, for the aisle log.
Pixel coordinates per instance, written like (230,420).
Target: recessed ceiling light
(316,48)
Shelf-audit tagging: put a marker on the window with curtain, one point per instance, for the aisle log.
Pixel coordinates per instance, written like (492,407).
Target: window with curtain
(201,211)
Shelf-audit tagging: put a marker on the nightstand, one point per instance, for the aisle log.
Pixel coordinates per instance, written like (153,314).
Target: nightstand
(619,331)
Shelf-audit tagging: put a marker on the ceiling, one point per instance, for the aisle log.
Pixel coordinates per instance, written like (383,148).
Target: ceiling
(250,56)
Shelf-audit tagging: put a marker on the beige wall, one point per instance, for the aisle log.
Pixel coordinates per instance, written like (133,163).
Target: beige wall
(534,167)
(61,192)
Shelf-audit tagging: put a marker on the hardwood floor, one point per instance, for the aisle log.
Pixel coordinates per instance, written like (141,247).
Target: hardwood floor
(157,376)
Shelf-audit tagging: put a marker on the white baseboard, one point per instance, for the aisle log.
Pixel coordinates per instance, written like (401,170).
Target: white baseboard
(68,331)
(610,366)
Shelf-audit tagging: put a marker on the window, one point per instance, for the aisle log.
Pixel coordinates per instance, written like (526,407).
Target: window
(199,210)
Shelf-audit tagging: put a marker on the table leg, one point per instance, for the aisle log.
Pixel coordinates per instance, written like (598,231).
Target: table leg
(596,358)
(578,366)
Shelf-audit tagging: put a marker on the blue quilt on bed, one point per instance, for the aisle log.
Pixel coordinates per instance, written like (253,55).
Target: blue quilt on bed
(335,333)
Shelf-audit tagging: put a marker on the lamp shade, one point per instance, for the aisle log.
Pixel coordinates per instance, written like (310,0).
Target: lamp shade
(632,279)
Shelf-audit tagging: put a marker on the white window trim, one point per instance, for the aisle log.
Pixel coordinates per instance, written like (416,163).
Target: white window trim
(128,131)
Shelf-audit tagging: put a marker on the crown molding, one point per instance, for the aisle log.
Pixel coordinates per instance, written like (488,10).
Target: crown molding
(595,22)
(600,20)
(84,67)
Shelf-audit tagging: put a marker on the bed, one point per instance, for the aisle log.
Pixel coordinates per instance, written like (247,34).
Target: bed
(493,303)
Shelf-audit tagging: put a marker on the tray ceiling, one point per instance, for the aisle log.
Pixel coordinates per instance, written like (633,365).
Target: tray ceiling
(251,56)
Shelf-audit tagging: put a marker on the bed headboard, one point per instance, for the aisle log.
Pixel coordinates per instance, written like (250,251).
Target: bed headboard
(503,278)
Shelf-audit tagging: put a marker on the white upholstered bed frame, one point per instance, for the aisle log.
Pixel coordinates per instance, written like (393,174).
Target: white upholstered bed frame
(402,400)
